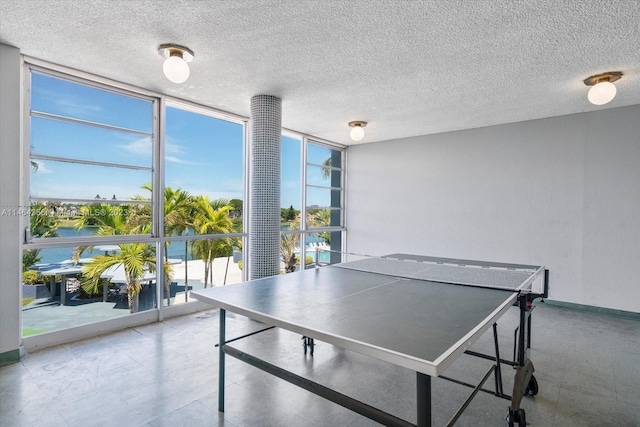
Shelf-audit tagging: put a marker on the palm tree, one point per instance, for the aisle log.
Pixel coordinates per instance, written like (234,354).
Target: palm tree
(288,244)
(115,220)
(109,221)
(135,258)
(178,213)
(119,220)
(42,223)
(322,218)
(29,258)
(211,217)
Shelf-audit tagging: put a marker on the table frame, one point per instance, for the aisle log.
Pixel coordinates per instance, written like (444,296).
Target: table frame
(523,375)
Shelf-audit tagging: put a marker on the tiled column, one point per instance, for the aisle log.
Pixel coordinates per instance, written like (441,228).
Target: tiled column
(264,217)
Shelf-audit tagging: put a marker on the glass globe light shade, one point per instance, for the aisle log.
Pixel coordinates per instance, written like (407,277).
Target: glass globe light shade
(176,69)
(357,133)
(602,93)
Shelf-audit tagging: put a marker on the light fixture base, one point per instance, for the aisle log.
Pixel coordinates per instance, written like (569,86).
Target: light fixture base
(167,50)
(357,123)
(604,77)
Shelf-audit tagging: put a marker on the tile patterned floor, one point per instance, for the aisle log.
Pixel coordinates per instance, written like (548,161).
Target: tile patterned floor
(165,374)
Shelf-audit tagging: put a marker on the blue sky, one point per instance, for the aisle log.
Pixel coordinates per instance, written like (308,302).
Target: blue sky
(203,155)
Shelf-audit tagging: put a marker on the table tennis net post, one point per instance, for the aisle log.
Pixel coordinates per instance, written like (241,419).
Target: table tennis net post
(510,277)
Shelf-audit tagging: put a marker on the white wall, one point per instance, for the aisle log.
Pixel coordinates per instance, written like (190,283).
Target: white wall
(562,192)
(10,170)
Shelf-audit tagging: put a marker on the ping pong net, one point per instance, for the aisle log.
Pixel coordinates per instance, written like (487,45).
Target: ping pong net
(508,277)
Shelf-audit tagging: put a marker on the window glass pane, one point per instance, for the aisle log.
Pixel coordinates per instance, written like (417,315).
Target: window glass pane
(70,99)
(324,183)
(321,155)
(78,141)
(335,243)
(318,218)
(198,264)
(316,247)
(72,219)
(291,182)
(323,176)
(324,247)
(289,252)
(204,174)
(321,198)
(107,190)
(59,294)
(64,180)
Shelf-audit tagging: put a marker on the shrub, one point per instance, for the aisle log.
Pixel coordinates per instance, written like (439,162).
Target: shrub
(31,277)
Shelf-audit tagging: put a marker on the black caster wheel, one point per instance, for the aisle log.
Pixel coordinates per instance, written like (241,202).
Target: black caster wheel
(532,387)
(510,420)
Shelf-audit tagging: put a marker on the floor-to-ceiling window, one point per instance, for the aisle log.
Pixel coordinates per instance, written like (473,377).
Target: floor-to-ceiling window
(290,201)
(324,201)
(204,192)
(133,201)
(90,192)
(312,203)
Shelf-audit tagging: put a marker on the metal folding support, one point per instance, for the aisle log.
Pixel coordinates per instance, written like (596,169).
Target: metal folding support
(484,390)
(470,398)
(221,344)
(499,390)
(488,357)
(247,335)
(322,391)
(498,370)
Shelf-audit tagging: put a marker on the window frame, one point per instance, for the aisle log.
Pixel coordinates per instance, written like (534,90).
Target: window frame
(304,230)
(31,66)
(157,236)
(171,102)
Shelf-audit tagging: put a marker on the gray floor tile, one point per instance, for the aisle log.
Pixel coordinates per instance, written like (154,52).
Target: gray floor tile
(165,374)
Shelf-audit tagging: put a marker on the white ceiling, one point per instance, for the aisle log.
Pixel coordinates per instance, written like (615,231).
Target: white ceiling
(407,67)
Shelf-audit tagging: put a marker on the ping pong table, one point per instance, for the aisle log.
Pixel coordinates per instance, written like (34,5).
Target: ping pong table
(418,312)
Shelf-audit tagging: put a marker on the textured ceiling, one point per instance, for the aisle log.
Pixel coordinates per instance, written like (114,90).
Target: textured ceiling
(407,67)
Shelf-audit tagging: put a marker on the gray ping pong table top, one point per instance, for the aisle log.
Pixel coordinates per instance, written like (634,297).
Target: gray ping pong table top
(392,314)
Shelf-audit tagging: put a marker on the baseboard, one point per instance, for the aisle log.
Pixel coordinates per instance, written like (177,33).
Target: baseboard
(12,356)
(593,309)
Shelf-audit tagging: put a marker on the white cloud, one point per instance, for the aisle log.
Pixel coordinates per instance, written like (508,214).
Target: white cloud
(173,153)
(173,159)
(77,109)
(139,147)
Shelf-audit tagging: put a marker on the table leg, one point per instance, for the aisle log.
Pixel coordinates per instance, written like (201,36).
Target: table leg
(221,360)
(52,288)
(424,399)
(63,290)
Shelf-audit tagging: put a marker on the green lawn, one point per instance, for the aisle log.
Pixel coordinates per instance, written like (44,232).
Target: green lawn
(26,332)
